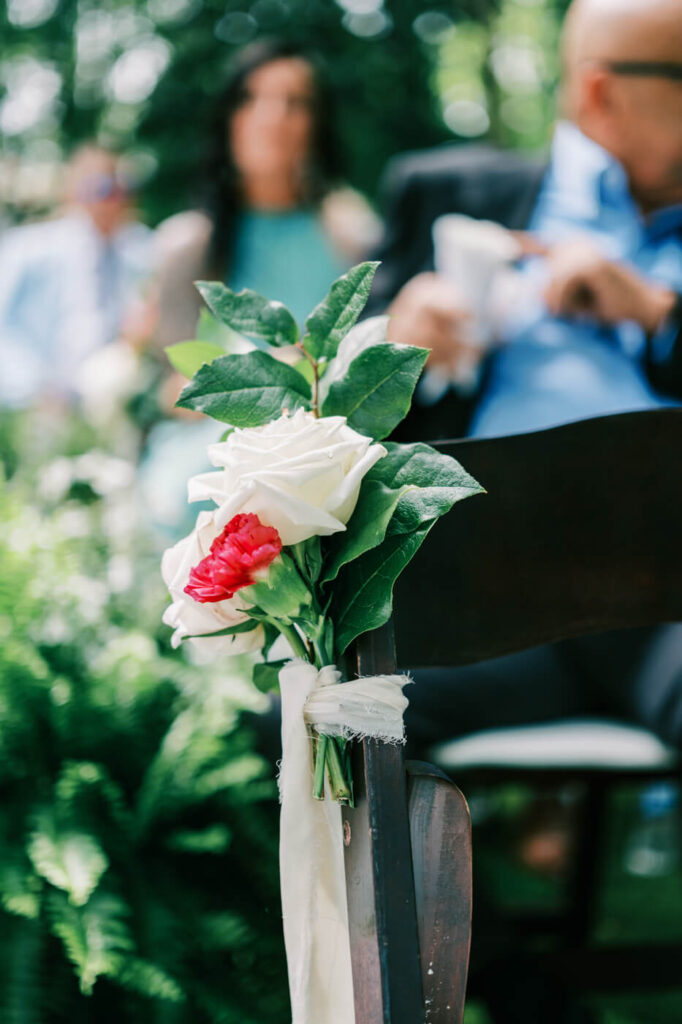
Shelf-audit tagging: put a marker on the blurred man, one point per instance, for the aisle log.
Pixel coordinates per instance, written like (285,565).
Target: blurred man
(65,284)
(594,328)
(594,325)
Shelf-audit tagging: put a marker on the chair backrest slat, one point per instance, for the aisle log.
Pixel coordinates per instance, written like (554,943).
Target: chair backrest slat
(382,912)
(580,531)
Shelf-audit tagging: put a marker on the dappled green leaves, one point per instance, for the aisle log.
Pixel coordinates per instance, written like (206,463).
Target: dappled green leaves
(410,488)
(363,591)
(366,527)
(246,390)
(332,319)
(71,861)
(376,393)
(124,773)
(250,313)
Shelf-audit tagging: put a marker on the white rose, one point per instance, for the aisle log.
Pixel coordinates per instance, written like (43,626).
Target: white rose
(192,618)
(300,474)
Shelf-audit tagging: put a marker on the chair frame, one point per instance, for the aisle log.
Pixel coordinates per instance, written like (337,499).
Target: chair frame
(408,878)
(526,573)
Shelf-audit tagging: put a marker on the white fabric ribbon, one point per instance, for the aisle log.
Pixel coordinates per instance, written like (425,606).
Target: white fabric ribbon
(312,875)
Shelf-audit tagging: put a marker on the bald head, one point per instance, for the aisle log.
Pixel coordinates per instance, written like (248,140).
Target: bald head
(621,30)
(618,90)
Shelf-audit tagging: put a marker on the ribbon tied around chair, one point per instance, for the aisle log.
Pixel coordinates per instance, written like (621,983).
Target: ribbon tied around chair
(312,876)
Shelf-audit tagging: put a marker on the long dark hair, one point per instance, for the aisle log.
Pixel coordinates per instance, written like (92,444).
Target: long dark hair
(223,198)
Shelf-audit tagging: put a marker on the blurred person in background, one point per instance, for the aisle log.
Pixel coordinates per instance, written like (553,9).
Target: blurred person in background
(592,322)
(275,220)
(593,327)
(66,284)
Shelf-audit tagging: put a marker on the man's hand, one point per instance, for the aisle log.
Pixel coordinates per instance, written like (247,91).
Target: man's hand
(428,312)
(582,280)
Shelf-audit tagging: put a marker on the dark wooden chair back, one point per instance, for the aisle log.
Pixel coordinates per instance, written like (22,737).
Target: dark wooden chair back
(579,532)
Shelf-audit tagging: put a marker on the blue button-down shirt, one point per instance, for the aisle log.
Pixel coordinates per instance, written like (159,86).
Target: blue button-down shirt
(549,370)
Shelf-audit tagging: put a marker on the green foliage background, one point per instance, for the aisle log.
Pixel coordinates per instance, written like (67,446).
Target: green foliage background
(138,827)
(141,74)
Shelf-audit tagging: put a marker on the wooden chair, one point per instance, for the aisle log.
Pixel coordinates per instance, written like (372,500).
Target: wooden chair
(579,533)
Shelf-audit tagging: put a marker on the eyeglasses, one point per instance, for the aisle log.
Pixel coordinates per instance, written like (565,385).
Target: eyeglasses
(646,68)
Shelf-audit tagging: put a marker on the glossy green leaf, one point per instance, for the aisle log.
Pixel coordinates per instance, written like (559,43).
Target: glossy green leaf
(250,313)
(189,356)
(376,393)
(363,591)
(365,529)
(246,390)
(331,320)
(436,482)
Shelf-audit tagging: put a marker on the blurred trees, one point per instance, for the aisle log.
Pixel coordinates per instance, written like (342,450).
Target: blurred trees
(142,73)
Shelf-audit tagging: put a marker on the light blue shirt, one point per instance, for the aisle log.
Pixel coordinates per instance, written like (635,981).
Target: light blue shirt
(549,370)
(63,293)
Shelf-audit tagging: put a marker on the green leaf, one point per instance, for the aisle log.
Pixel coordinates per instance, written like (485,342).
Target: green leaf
(243,627)
(366,527)
(363,592)
(209,329)
(331,320)
(246,390)
(308,557)
(376,392)
(281,594)
(435,481)
(94,936)
(188,356)
(213,839)
(144,977)
(266,675)
(20,890)
(250,313)
(72,861)
(428,484)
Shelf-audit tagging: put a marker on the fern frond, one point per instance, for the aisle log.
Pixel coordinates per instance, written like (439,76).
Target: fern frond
(72,861)
(94,936)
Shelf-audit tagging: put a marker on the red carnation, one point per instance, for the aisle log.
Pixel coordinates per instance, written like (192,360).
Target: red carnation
(243,550)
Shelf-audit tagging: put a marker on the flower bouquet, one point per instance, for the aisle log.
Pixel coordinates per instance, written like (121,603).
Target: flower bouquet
(314,519)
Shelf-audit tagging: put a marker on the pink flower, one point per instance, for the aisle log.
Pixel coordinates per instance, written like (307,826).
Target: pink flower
(237,558)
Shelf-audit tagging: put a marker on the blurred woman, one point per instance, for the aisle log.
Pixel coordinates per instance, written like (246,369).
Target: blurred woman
(275,219)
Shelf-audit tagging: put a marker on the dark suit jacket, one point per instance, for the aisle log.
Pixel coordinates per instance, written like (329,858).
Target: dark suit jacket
(479,181)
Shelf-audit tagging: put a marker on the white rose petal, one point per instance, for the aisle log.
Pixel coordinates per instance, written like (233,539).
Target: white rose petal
(300,474)
(189,618)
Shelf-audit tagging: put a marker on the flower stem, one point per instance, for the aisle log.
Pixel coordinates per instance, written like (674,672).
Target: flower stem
(316,378)
(320,761)
(296,641)
(340,787)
